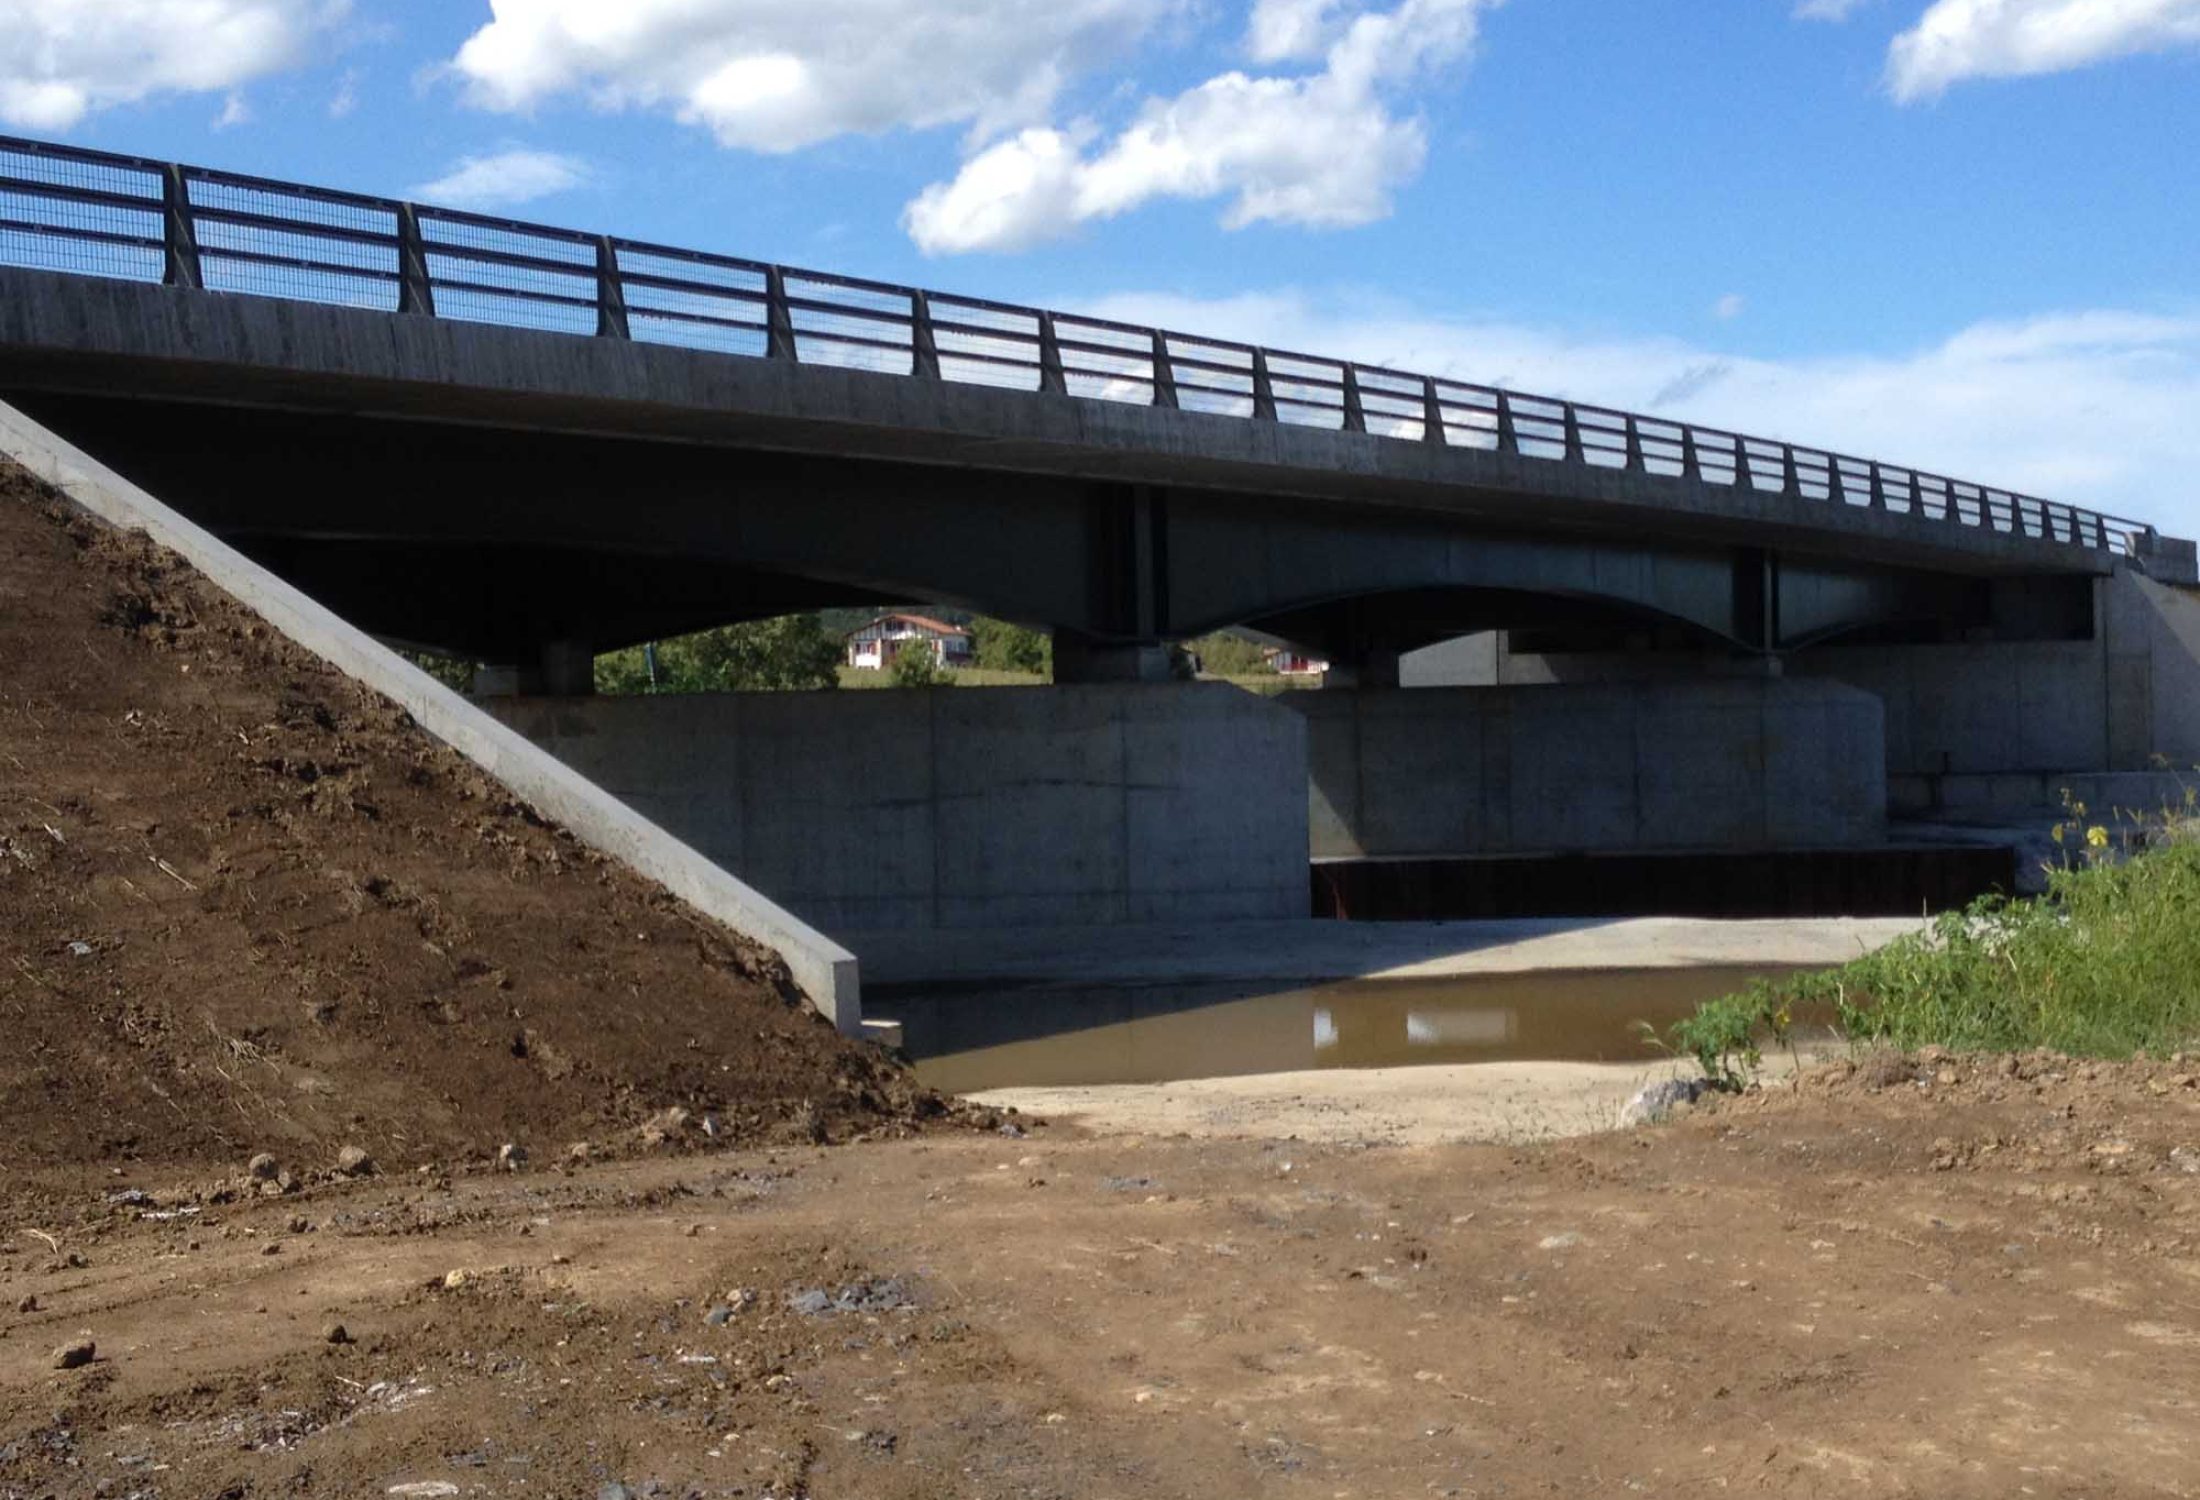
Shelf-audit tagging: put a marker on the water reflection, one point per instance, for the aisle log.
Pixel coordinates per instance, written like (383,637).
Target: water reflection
(965,1041)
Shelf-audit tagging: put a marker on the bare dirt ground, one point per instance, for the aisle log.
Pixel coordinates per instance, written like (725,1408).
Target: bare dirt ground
(1977,1278)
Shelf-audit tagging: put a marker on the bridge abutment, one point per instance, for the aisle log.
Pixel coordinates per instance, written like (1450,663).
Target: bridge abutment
(1990,723)
(1733,764)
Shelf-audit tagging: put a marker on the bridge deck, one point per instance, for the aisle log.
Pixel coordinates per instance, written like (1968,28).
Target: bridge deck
(132,277)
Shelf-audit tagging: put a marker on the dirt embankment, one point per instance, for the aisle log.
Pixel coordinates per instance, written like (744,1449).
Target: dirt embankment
(246,905)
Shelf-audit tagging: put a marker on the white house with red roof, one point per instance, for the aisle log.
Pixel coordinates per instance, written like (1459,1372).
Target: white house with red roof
(877,643)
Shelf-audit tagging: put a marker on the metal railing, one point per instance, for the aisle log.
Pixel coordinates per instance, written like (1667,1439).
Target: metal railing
(99,214)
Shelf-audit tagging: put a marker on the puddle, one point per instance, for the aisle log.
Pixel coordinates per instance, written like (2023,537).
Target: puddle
(1005,1038)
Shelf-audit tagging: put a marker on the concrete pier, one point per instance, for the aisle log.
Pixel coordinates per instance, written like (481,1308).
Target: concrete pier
(1090,805)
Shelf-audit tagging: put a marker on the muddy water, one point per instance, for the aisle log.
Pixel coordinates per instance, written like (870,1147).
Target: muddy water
(1008,1038)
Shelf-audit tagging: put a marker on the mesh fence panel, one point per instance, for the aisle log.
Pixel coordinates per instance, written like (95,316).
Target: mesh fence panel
(693,302)
(49,231)
(474,282)
(1539,426)
(1212,377)
(853,327)
(292,245)
(982,345)
(1106,362)
(1392,404)
(1309,392)
(1469,415)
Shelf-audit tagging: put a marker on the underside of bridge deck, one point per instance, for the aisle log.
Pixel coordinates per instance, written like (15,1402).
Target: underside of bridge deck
(491,542)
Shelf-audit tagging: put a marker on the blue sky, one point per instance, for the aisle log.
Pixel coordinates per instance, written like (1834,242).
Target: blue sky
(1959,233)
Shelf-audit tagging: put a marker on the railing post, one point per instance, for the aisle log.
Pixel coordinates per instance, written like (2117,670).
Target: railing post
(778,317)
(1053,379)
(1917,495)
(1744,477)
(1264,388)
(1164,372)
(1791,477)
(1691,460)
(1355,413)
(1575,453)
(1879,488)
(611,320)
(415,289)
(924,349)
(1432,413)
(1635,459)
(182,236)
(1508,432)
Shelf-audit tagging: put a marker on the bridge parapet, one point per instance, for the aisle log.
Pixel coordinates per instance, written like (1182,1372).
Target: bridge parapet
(99,214)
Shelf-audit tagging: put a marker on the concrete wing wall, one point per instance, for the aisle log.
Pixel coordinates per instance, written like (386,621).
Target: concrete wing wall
(1738,764)
(2153,632)
(966,808)
(826,971)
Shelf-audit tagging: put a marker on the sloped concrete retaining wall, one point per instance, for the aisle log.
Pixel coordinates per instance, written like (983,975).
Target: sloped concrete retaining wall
(826,971)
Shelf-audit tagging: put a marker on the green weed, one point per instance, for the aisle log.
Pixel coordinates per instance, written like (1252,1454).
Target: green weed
(2105,964)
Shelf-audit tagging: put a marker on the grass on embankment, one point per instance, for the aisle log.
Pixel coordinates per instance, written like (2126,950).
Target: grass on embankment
(2106,964)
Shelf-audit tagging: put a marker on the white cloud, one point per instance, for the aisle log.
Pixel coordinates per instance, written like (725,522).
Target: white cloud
(1960,39)
(1827,10)
(1283,30)
(1730,307)
(778,75)
(1324,149)
(2093,408)
(62,59)
(504,179)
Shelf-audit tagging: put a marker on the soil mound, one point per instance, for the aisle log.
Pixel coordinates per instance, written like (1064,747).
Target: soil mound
(247,905)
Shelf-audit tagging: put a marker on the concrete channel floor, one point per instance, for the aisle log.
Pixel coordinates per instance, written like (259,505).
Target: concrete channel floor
(1313,952)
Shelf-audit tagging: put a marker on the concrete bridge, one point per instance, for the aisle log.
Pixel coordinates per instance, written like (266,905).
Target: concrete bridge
(527,445)
(502,439)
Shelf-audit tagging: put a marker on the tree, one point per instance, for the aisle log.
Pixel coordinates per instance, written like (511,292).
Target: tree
(1226,655)
(917,665)
(786,654)
(1004,647)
